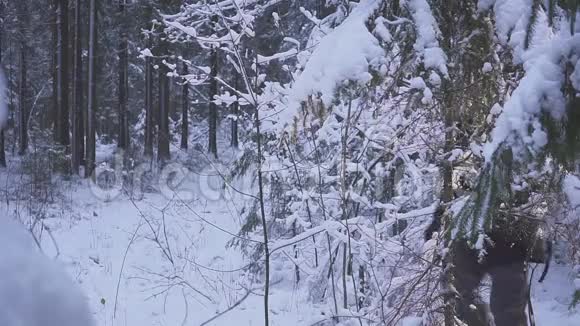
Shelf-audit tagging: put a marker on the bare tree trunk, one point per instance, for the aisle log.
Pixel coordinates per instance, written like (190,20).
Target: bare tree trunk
(2,27)
(213,114)
(264,221)
(62,120)
(345,211)
(76,112)
(163,138)
(450,105)
(52,112)
(149,118)
(23,102)
(344,276)
(9,79)
(235,111)
(185,110)
(2,149)
(23,82)
(447,166)
(123,141)
(91,98)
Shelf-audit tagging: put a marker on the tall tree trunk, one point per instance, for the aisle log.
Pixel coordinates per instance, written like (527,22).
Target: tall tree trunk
(149,85)
(23,102)
(149,117)
(52,112)
(185,109)
(77,111)
(2,147)
(91,98)
(82,85)
(5,92)
(123,141)
(23,81)
(163,134)
(9,80)
(213,114)
(62,120)
(264,220)
(234,123)
(163,137)
(447,166)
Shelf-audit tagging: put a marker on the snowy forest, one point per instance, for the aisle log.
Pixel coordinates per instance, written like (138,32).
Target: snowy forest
(289,162)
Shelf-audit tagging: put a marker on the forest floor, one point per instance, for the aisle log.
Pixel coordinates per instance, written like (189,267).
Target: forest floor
(166,261)
(109,248)
(133,283)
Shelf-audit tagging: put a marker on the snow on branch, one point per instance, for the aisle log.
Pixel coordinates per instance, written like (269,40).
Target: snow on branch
(344,54)
(511,21)
(278,56)
(539,91)
(426,44)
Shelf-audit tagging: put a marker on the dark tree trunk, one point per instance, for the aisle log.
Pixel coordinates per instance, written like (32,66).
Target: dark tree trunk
(149,85)
(213,114)
(62,120)
(163,135)
(235,111)
(185,109)
(450,104)
(77,111)
(91,98)
(2,148)
(149,117)
(23,102)
(447,166)
(123,141)
(2,27)
(23,82)
(52,112)
(163,138)
(9,80)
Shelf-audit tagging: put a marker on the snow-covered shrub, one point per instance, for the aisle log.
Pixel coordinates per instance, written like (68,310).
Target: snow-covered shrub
(34,290)
(393,109)
(353,175)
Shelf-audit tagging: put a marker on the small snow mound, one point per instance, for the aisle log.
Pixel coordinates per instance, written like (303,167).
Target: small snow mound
(35,290)
(487,68)
(411,321)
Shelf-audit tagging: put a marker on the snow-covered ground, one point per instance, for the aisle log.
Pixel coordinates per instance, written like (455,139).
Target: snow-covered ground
(552,298)
(166,260)
(111,249)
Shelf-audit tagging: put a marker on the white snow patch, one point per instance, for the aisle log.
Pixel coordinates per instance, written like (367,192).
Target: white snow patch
(511,21)
(427,45)
(411,321)
(381,30)
(35,290)
(277,56)
(487,68)
(571,187)
(435,79)
(417,83)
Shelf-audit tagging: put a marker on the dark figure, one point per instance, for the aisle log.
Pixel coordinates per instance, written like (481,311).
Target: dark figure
(507,269)
(512,244)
